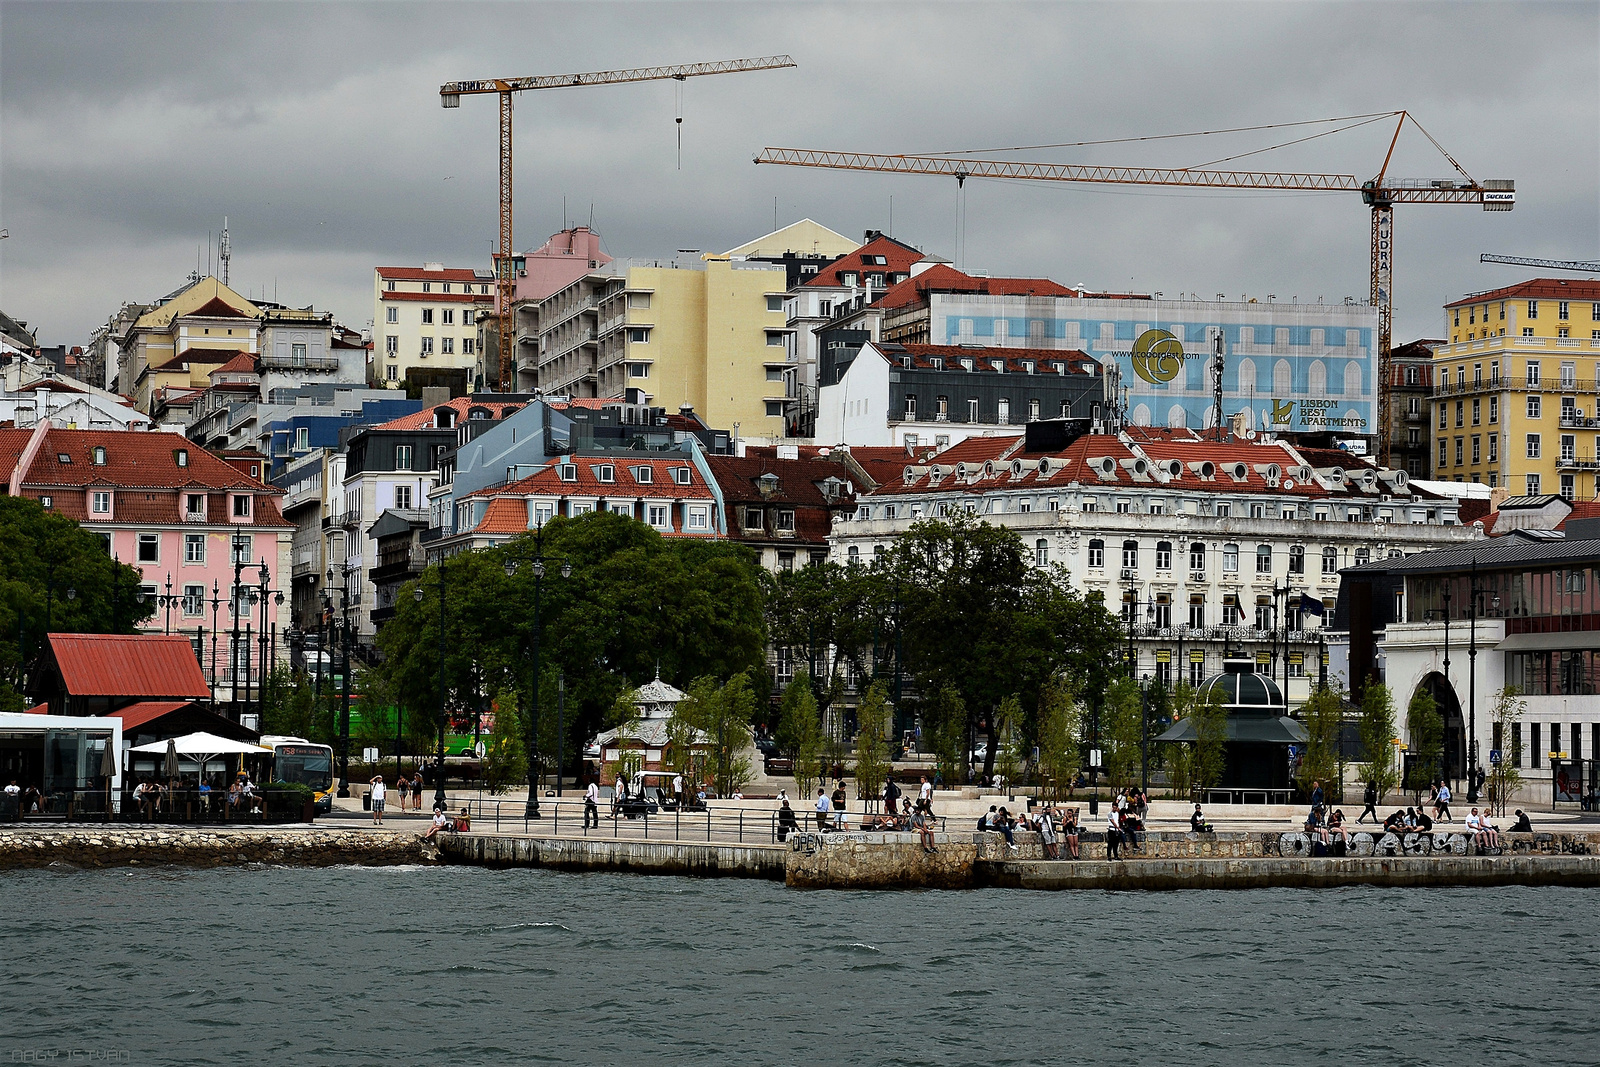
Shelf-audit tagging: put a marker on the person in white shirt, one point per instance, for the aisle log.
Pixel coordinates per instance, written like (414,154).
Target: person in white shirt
(1441,805)
(591,805)
(824,808)
(677,789)
(13,790)
(1484,835)
(440,821)
(1113,832)
(379,791)
(925,793)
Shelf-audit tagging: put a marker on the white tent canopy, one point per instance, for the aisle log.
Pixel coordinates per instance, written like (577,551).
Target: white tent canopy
(203,747)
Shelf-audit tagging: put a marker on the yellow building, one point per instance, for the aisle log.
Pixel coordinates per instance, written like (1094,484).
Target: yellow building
(180,341)
(1516,404)
(710,332)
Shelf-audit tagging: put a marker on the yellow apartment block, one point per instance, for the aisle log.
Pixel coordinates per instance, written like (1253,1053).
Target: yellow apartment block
(1516,404)
(178,343)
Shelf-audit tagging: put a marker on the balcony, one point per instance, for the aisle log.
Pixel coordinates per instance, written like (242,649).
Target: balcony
(194,516)
(1579,422)
(1574,462)
(1516,385)
(275,362)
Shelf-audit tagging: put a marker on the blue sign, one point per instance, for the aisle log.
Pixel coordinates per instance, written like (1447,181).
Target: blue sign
(1494,756)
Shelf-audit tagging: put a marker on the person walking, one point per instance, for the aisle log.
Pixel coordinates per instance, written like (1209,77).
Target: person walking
(591,805)
(925,793)
(416,789)
(1369,797)
(619,793)
(1441,803)
(379,791)
(823,809)
(1113,833)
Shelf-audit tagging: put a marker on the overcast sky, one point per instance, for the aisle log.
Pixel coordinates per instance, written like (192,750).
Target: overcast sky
(130,130)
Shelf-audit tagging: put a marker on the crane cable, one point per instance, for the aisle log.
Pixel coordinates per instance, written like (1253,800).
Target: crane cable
(677,93)
(1159,136)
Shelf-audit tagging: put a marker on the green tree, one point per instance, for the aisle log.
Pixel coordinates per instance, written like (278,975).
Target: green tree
(1504,777)
(42,556)
(1209,757)
(1123,733)
(1178,758)
(505,757)
(1008,735)
(1377,739)
(1425,732)
(1323,715)
(872,747)
(288,706)
(799,732)
(722,716)
(1060,720)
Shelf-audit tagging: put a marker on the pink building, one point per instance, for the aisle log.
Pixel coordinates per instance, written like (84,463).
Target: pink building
(559,262)
(177,513)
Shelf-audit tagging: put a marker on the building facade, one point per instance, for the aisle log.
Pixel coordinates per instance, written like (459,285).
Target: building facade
(1411,407)
(425,325)
(1206,545)
(1515,400)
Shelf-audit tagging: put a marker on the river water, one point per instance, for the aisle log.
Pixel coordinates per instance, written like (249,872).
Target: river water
(455,965)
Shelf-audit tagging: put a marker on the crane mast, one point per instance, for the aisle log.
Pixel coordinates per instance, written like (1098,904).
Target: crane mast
(450,94)
(1380,194)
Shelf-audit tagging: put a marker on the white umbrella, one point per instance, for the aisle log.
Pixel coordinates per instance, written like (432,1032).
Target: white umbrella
(201,747)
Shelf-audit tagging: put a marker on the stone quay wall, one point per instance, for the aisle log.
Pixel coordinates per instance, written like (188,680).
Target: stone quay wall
(601,854)
(1295,873)
(117,846)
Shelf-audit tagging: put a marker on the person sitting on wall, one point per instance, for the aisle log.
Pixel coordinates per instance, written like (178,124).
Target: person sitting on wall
(1198,824)
(1337,828)
(1424,824)
(1396,823)
(1522,825)
(923,822)
(1484,835)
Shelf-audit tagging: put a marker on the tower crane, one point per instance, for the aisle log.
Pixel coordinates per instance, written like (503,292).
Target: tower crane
(1380,193)
(450,95)
(1553,264)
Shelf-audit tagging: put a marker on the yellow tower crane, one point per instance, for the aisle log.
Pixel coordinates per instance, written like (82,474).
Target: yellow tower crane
(450,95)
(1381,193)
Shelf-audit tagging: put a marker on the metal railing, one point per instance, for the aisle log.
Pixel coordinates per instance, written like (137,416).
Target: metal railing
(698,823)
(265,806)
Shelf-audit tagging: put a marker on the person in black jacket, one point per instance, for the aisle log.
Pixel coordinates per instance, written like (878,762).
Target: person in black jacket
(787,823)
(1370,798)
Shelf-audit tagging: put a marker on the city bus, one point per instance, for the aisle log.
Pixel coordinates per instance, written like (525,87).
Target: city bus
(294,759)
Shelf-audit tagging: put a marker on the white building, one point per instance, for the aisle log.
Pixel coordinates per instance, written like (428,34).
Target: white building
(427,319)
(1211,544)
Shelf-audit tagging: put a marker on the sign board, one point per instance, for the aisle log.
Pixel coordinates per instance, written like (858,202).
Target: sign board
(1197,655)
(1354,447)
(1263,658)
(1297,658)
(1094,757)
(1294,750)
(1494,757)
(1163,655)
(479,749)
(369,755)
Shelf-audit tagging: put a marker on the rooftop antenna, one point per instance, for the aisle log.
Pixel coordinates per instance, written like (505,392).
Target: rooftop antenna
(1216,386)
(227,251)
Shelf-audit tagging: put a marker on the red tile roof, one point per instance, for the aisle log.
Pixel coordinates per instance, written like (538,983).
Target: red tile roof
(504,515)
(217,308)
(898,259)
(134,459)
(945,279)
(420,274)
(199,355)
(797,480)
(423,420)
(981,449)
(437,298)
(1537,289)
(117,665)
(547,481)
(938,357)
(243,363)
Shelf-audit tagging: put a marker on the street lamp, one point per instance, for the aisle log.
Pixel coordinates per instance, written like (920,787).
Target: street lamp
(537,566)
(344,715)
(1472,685)
(1144,735)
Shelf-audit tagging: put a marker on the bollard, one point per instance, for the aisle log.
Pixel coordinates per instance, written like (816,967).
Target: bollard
(741,826)
(708,822)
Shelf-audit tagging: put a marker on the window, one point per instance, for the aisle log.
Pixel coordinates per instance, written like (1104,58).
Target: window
(1230,558)
(1033,410)
(1527,331)
(1444,416)
(1533,446)
(752,518)
(1041,553)
(469,317)
(389,286)
(644,475)
(149,548)
(241,507)
(426,348)
(1532,485)
(786,521)
(402,497)
(776,338)
(1562,331)
(1533,372)
(1130,555)
(1197,612)
(1533,405)
(1297,559)
(1561,309)
(1263,559)
(1263,614)
(774,408)
(680,475)
(972,409)
(638,370)
(195,505)
(605,472)
(1568,489)
(658,516)
(910,408)
(1494,448)
(194,599)
(1477,449)
(427,287)
(1494,410)
(1003,411)
(1330,561)
(402,457)
(638,336)
(1459,443)
(391,314)
(1476,409)
(1461,413)
(941,408)
(98,457)
(447,346)
(542,513)
(392,372)
(1533,309)
(774,303)
(427,316)
(447,316)
(101,503)
(194,548)
(1230,611)
(1444,452)
(391,345)
(302,438)
(1197,557)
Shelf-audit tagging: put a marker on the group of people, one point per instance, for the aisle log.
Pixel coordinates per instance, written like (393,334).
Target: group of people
(1125,822)
(1052,824)
(28,801)
(409,787)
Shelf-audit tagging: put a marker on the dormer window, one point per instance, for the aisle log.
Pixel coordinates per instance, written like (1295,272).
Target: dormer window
(182,456)
(99,455)
(100,502)
(680,475)
(966,363)
(195,505)
(1027,366)
(643,475)
(1061,368)
(64,458)
(767,483)
(605,472)
(241,507)
(568,472)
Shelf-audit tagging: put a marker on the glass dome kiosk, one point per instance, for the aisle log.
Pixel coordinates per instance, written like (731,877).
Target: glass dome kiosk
(1259,729)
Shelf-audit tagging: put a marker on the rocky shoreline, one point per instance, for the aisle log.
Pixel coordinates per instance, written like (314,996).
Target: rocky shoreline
(153,846)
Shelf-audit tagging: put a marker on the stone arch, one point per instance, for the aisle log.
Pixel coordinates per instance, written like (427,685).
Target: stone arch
(1317,378)
(1177,417)
(1453,760)
(1352,379)
(1282,378)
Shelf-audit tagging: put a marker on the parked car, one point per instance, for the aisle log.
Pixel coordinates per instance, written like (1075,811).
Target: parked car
(778,765)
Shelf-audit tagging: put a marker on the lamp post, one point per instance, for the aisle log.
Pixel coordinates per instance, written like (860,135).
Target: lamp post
(1472,685)
(1131,576)
(537,565)
(344,714)
(1144,735)
(438,763)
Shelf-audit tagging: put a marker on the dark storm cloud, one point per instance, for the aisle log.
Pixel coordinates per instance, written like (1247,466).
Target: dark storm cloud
(129,130)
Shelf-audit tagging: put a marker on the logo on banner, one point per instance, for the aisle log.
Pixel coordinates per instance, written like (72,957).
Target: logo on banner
(1157,356)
